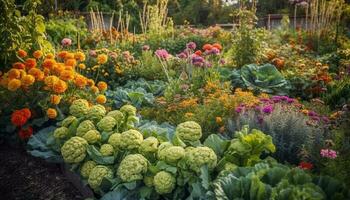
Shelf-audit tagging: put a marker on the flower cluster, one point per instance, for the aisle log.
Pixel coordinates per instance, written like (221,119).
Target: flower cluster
(328,153)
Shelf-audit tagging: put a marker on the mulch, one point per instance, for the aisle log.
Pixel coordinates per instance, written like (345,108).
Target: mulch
(23,177)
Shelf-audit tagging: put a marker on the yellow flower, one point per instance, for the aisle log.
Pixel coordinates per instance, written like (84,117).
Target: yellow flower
(67,75)
(50,56)
(51,113)
(60,87)
(102,86)
(14,84)
(80,81)
(13,73)
(55,99)
(102,59)
(90,82)
(81,66)
(101,99)
(80,56)
(51,80)
(37,54)
(305,112)
(218,120)
(28,80)
(95,89)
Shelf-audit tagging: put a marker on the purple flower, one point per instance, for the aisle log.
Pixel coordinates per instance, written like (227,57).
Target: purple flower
(267,109)
(191,45)
(66,42)
(145,48)
(214,51)
(208,64)
(312,113)
(315,118)
(239,109)
(197,60)
(162,54)
(290,100)
(328,153)
(222,61)
(276,99)
(325,119)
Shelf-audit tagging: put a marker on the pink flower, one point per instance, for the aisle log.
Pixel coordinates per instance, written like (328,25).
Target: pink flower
(162,54)
(328,153)
(66,42)
(145,48)
(191,45)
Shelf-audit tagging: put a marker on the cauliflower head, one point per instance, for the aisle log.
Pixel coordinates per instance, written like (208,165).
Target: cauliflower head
(132,168)
(149,145)
(171,154)
(97,174)
(117,115)
(84,127)
(79,108)
(128,110)
(115,140)
(74,150)
(61,133)
(86,168)
(106,124)
(199,156)
(68,121)
(131,139)
(189,131)
(92,136)
(107,150)
(164,182)
(96,113)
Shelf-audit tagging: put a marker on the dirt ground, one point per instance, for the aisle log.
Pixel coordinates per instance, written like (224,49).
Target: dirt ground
(23,177)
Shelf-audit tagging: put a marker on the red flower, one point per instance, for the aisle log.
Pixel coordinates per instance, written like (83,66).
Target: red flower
(207,47)
(218,46)
(20,117)
(26,112)
(25,133)
(198,53)
(306,165)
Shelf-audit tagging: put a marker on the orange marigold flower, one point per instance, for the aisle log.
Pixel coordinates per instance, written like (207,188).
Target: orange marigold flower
(70,62)
(62,54)
(189,114)
(101,99)
(55,99)
(18,65)
(60,87)
(305,112)
(46,71)
(37,73)
(102,59)
(58,68)
(207,47)
(218,120)
(81,66)
(67,75)
(50,56)
(51,80)
(51,113)
(102,86)
(18,118)
(21,53)
(90,82)
(26,112)
(218,46)
(37,54)
(28,80)
(25,133)
(80,81)
(49,63)
(4,82)
(80,56)
(13,73)
(14,84)
(30,63)
(95,89)
(69,56)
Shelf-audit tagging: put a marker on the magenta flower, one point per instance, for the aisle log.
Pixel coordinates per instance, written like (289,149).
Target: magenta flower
(197,60)
(267,109)
(328,153)
(214,51)
(191,45)
(162,54)
(66,42)
(239,109)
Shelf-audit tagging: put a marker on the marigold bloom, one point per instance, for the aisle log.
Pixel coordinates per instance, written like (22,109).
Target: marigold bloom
(82,66)
(218,120)
(51,113)
(62,54)
(21,53)
(50,56)
(80,81)
(13,73)
(60,87)
(102,59)
(101,99)
(49,63)
(58,68)
(90,82)
(26,112)
(14,84)
(102,86)
(4,82)
(25,133)
(207,47)
(37,73)
(69,56)
(18,118)
(30,63)
(80,56)
(28,80)
(95,89)
(67,75)
(70,62)
(218,46)
(55,99)
(37,54)
(51,80)
(18,65)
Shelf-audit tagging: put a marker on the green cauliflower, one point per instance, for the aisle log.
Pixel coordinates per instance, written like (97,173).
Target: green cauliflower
(115,140)
(170,154)
(199,156)
(96,113)
(117,115)
(107,150)
(128,110)
(84,127)
(164,182)
(61,133)
(68,121)
(74,150)
(189,131)
(106,124)
(131,139)
(97,175)
(79,108)
(132,168)
(92,136)
(149,145)
(86,168)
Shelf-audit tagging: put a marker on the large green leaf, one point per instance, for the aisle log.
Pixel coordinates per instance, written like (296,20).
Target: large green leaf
(97,156)
(218,144)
